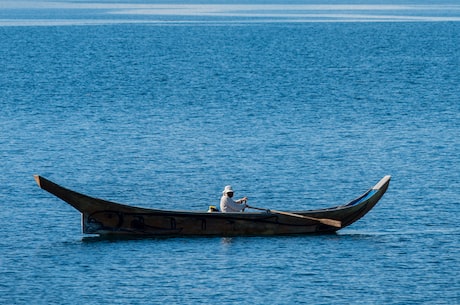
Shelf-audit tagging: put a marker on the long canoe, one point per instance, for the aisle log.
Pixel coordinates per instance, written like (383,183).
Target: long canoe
(108,218)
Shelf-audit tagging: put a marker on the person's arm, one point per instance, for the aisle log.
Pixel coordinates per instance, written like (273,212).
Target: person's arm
(244,199)
(234,206)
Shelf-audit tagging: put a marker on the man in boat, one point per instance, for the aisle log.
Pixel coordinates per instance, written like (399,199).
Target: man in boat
(227,204)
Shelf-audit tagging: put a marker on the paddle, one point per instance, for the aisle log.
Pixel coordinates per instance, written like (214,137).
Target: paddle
(326,221)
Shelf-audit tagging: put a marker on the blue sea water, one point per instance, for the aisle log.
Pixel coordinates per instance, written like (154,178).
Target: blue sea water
(298,106)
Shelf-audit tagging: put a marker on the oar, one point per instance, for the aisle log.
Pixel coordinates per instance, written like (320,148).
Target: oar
(326,221)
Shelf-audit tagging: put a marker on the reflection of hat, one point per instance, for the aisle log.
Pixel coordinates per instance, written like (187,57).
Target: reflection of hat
(228,189)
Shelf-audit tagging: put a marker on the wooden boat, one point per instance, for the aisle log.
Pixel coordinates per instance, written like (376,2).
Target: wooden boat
(113,219)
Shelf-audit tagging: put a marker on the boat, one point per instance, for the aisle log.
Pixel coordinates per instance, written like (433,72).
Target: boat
(110,219)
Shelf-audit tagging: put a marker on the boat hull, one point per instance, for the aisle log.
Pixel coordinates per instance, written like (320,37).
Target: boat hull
(109,218)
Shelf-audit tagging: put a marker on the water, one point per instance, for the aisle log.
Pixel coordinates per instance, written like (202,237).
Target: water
(297,107)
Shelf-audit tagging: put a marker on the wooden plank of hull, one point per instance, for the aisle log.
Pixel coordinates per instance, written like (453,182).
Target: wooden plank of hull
(110,218)
(109,222)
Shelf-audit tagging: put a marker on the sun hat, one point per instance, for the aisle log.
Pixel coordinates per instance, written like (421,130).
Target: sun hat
(228,189)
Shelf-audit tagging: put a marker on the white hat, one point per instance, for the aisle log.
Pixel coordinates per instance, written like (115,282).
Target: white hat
(228,189)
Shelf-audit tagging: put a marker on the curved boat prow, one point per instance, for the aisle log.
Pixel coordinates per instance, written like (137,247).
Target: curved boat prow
(81,202)
(362,205)
(383,183)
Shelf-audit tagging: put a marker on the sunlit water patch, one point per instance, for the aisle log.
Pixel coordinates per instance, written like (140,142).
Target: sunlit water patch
(43,13)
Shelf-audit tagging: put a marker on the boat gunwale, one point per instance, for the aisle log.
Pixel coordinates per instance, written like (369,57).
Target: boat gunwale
(360,200)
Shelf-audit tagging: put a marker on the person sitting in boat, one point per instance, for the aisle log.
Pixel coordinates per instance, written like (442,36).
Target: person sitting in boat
(227,204)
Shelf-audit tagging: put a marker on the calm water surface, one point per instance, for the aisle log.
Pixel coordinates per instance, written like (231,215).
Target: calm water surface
(297,106)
